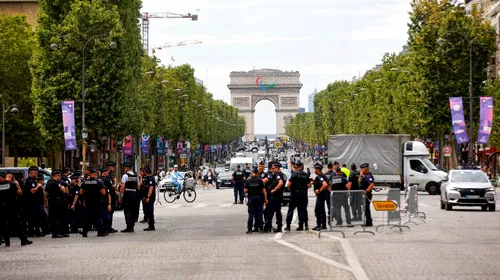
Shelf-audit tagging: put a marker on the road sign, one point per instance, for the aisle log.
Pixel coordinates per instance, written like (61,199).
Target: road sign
(385,205)
(277,144)
(447,151)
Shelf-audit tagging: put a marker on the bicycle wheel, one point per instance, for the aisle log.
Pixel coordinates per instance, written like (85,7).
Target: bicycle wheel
(189,196)
(170,196)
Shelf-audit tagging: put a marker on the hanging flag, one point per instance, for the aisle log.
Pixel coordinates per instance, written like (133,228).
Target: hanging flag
(485,119)
(128,146)
(160,148)
(68,115)
(179,147)
(458,120)
(167,147)
(145,144)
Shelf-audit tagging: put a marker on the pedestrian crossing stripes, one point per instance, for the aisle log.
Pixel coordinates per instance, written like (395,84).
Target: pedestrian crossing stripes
(196,205)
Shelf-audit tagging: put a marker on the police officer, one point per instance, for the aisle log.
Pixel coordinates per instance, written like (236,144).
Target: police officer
(137,204)
(322,195)
(128,194)
(148,194)
(267,178)
(9,191)
(329,174)
(111,171)
(112,192)
(106,200)
(340,199)
(257,196)
(74,203)
(58,206)
(238,179)
(93,191)
(247,171)
(275,199)
(367,183)
(356,196)
(298,184)
(31,202)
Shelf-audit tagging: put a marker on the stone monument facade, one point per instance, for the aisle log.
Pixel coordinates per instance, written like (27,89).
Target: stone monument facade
(282,88)
(28,8)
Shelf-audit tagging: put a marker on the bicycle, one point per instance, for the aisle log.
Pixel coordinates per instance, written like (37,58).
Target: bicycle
(170,194)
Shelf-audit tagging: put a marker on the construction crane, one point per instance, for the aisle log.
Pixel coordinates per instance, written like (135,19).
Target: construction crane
(145,24)
(178,44)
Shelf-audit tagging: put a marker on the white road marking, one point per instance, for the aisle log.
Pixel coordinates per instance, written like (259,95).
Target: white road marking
(314,255)
(425,205)
(227,205)
(351,257)
(174,206)
(201,205)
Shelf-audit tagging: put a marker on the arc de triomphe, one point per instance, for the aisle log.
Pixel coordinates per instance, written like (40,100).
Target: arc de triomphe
(282,88)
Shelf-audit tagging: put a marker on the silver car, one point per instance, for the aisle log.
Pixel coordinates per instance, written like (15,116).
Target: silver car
(467,188)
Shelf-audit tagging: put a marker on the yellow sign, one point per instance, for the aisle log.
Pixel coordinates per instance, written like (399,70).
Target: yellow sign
(385,205)
(285,139)
(182,161)
(277,144)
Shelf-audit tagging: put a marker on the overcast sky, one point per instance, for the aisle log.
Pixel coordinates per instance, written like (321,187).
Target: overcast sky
(325,40)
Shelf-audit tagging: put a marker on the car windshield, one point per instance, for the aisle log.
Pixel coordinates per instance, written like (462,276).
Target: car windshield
(469,177)
(429,164)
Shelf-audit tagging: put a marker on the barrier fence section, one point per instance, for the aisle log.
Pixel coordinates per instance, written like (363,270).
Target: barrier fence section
(391,206)
(411,201)
(347,210)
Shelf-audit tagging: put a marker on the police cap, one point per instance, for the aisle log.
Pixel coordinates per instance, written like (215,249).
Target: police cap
(128,165)
(2,174)
(103,169)
(364,165)
(33,168)
(40,176)
(238,166)
(299,163)
(318,166)
(337,169)
(66,169)
(91,170)
(330,165)
(74,177)
(147,170)
(110,163)
(78,173)
(255,170)
(276,164)
(55,172)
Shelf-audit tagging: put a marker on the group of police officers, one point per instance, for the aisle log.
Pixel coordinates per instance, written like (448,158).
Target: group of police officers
(266,189)
(68,202)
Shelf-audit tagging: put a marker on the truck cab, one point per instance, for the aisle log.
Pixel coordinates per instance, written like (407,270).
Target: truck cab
(419,170)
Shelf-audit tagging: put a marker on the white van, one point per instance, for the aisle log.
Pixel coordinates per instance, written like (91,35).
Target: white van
(242,161)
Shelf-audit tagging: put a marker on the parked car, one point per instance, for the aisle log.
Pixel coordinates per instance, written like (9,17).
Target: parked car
(467,188)
(166,183)
(25,170)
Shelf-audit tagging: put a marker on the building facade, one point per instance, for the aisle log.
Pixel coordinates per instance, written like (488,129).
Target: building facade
(310,100)
(28,8)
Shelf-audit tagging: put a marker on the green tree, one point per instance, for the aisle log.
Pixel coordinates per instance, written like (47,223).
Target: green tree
(16,40)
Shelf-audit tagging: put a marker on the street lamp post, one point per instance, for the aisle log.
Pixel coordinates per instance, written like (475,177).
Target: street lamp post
(14,111)
(442,41)
(112,45)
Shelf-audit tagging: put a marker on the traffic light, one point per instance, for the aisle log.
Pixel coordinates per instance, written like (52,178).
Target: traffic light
(431,148)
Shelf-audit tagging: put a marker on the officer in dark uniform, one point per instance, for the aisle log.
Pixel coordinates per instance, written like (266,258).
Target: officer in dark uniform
(275,198)
(329,174)
(58,206)
(357,196)
(247,171)
(367,183)
(239,180)
(106,200)
(298,185)
(74,203)
(9,221)
(137,204)
(267,178)
(257,196)
(112,192)
(65,181)
(93,190)
(111,171)
(148,194)
(340,199)
(322,195)
(128,194)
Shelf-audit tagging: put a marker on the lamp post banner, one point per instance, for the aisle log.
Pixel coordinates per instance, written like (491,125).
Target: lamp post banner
(68,115)
(160,145)
(128,146)
(485,119)
(458,120)
(145,144)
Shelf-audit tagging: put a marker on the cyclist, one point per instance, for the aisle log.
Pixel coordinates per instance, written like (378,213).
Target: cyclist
(175,176)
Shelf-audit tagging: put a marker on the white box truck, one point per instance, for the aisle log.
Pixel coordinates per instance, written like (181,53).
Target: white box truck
(394,159)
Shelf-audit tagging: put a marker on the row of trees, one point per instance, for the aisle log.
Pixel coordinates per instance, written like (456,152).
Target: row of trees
(126,91)
(410,91)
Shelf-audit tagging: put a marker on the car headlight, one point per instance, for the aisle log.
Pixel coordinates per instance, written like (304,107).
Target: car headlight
(492,189)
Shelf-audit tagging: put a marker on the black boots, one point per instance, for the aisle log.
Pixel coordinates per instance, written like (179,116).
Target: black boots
(150,228)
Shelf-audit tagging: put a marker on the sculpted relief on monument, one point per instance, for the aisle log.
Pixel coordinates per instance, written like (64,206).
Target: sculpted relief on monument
(288,101)
(241,101)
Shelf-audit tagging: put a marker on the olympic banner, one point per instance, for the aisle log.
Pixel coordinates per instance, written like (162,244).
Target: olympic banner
(160,145)
(128,146)
(145,144)
(485,119)
(458,120)
(68,115)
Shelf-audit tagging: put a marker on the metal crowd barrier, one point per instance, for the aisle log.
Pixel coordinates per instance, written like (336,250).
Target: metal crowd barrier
(411,202)
(347,210)
(391,206)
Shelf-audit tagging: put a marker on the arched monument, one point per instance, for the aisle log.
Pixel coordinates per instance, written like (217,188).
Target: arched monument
(282,88)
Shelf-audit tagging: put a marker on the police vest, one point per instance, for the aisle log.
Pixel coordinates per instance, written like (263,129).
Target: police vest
(328,176)
(300,181)
(338,183)
(255,186)
(238,175)
(53,190)
(7,197)
(132,182)
(92,189)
